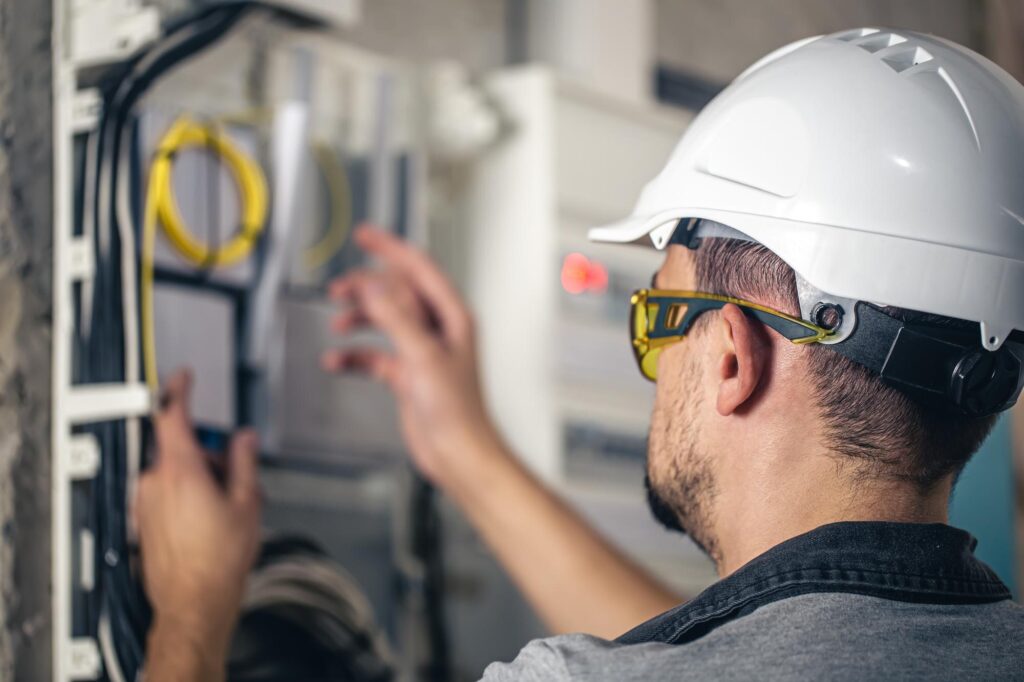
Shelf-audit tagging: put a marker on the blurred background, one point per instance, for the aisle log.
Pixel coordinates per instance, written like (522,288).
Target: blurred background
(493,133)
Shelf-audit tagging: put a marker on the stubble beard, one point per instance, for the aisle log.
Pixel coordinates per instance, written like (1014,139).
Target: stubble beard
(680,481)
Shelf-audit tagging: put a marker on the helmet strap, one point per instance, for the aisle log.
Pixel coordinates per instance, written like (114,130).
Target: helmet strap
(938,366)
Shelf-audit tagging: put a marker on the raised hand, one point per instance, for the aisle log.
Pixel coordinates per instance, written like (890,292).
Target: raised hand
(432,364)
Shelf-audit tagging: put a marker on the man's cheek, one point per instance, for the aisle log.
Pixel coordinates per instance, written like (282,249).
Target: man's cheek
(670,371)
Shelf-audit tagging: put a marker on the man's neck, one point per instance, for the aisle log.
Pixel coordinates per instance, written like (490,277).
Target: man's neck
(756,518)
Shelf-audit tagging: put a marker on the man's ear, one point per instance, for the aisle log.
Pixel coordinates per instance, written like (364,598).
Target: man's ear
(745,351)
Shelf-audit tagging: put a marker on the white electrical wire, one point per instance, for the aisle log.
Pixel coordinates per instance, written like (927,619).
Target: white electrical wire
(320,585)
(89,224)
(106,641)
(279,582)
(129,284)
(102,232)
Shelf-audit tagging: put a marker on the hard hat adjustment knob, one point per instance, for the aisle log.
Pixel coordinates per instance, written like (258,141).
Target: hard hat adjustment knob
(827,315)
(985,382)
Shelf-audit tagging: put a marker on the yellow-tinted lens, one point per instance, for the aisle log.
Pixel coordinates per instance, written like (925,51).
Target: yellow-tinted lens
(638,325)
(640,322)
(643,317)
(649,363)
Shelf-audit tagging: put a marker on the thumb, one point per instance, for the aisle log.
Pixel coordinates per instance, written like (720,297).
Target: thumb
(172,424)
(243,468)
(176,398)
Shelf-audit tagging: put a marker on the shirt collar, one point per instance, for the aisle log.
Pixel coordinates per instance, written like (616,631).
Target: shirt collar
(928,563)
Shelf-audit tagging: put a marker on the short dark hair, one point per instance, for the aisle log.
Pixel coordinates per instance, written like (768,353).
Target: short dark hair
(885,433)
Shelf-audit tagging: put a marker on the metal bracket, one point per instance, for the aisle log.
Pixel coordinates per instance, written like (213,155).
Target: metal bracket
(106,31)
(87,561)
(102,402)
(83,457)
(84,662)
(810,296)
(81,261)
(86,109)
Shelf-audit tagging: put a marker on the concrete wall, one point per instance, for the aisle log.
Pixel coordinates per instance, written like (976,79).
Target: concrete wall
(711,38)
(25,321)
(469,31)
(717,39)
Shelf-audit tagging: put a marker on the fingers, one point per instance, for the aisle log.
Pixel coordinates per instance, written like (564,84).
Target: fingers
(425,276)
(175,399)
(389,304)
(353,288)
(373,362)
(243,468)
(348,321)
(347,287)
(172,423)
(385,311)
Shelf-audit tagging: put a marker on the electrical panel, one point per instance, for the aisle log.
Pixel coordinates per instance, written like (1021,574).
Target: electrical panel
(210,173)
(357,161)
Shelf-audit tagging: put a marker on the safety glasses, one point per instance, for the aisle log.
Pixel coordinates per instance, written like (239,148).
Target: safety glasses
(661,317)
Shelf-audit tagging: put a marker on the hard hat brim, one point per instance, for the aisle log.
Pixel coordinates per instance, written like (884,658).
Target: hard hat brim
(633,230)
(923,276)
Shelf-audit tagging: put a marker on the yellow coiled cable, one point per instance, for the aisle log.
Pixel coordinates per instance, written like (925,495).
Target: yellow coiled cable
(340,195)
(161,207)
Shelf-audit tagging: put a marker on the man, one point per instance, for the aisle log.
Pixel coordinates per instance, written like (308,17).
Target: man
(834,327)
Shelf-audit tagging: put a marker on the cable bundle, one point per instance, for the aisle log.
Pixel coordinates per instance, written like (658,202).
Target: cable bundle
(107,343)
(304,617)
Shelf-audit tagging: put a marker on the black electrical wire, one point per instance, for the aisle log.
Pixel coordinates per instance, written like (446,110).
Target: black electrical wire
(121,596)
(427,546)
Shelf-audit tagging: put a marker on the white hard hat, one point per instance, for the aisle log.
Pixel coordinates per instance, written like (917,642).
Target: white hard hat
(882,166)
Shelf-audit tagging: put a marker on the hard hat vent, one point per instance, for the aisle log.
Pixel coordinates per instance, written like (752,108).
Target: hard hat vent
(893,49)
(875,42)
(855,34)
(902,59)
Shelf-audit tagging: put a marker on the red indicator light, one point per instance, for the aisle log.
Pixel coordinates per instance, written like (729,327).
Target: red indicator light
(580,274)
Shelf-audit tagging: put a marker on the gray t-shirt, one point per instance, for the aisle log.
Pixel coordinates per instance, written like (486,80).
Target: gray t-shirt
(822,636)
